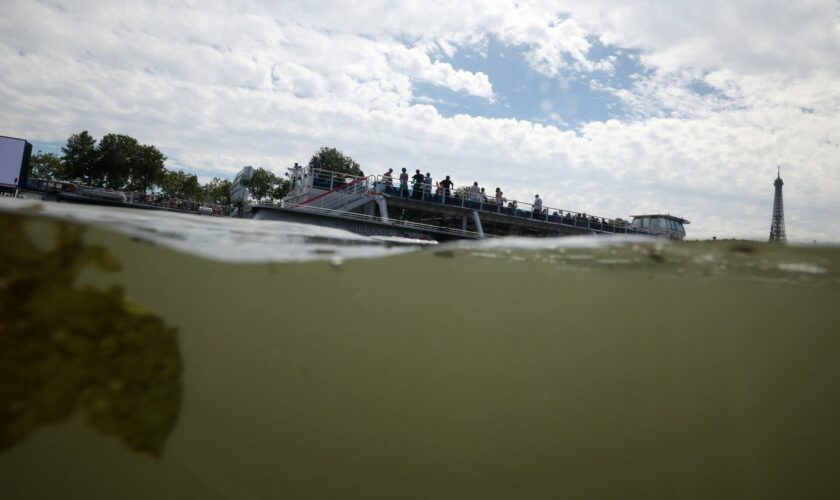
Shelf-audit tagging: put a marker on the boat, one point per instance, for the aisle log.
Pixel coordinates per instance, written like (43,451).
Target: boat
(666,225)
(373,206)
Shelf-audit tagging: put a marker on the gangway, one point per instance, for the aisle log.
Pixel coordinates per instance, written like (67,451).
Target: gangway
(344,196)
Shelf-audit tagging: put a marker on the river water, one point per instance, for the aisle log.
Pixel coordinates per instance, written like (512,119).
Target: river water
(158,355)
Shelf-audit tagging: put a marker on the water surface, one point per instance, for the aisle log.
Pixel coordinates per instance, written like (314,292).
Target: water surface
(172,356)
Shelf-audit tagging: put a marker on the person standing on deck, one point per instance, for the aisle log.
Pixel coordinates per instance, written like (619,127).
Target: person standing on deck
(404,182)
(537,204)
(447,186)
(427,184)
(500,198)
(475,192)
(388,178)
(416,184)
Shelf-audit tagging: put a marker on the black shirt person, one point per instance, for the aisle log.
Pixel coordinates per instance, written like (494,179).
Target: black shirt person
(417,183)
(447,185)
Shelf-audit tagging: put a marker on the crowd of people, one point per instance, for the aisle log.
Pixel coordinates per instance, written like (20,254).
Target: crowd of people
(421,187)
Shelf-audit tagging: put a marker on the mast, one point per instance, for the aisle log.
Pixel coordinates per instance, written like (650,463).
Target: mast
(777,226)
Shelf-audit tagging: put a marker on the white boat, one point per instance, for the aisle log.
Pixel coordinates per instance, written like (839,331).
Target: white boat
(371,205)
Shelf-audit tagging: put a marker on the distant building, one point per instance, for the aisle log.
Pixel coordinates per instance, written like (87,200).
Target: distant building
(777,226)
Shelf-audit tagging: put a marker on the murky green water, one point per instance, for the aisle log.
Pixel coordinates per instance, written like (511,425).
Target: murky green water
(566,370)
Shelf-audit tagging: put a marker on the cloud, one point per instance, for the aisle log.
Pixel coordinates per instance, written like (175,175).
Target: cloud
(416,63)
(726,92)
(750,37)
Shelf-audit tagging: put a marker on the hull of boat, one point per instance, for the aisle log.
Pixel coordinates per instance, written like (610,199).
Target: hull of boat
(348,223)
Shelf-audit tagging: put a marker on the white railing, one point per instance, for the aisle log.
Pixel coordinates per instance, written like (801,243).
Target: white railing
(341,190)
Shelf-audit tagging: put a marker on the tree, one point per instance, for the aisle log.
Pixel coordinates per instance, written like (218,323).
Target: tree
(281,189)
(118,162)
(45,166)
(335,160)
(147,168)
(263,183)
(181,185)
(217,191)
(80,157)
(114,161)
(123,163)
(462,192)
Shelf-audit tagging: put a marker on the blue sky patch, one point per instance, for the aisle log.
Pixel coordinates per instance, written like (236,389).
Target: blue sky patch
(567,101)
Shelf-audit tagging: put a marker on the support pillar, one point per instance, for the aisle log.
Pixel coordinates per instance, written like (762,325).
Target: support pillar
(478,228)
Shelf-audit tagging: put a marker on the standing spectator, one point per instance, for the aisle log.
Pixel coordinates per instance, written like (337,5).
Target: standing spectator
(500,198)
(404,182)
(483,196)
(427,184)
(537,205)
(389,180)
(447,186)
(475,192)
(417,184)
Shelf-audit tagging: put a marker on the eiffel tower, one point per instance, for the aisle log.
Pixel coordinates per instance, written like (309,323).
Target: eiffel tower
(777,227)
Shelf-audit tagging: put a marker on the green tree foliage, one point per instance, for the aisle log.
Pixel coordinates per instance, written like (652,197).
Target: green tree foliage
(335,160)
(462,192)
(263,183)
(147,168)
(45,166)
(117,162)
(281,189)
(217,191)
(125,164)
(114,161)
(80,157)
(181,185)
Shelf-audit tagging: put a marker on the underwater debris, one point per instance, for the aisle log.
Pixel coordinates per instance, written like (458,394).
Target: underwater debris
(65,347)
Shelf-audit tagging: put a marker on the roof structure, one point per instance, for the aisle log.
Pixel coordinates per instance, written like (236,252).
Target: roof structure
(664,216)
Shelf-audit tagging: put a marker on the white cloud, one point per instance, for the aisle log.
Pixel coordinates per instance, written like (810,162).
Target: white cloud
(416,63)
(217,86)
(749,36)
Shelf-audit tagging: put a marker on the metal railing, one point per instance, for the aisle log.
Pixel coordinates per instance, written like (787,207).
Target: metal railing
(514,208)
(342,190)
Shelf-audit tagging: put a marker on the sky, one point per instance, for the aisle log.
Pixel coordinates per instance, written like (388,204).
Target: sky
(612,108)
